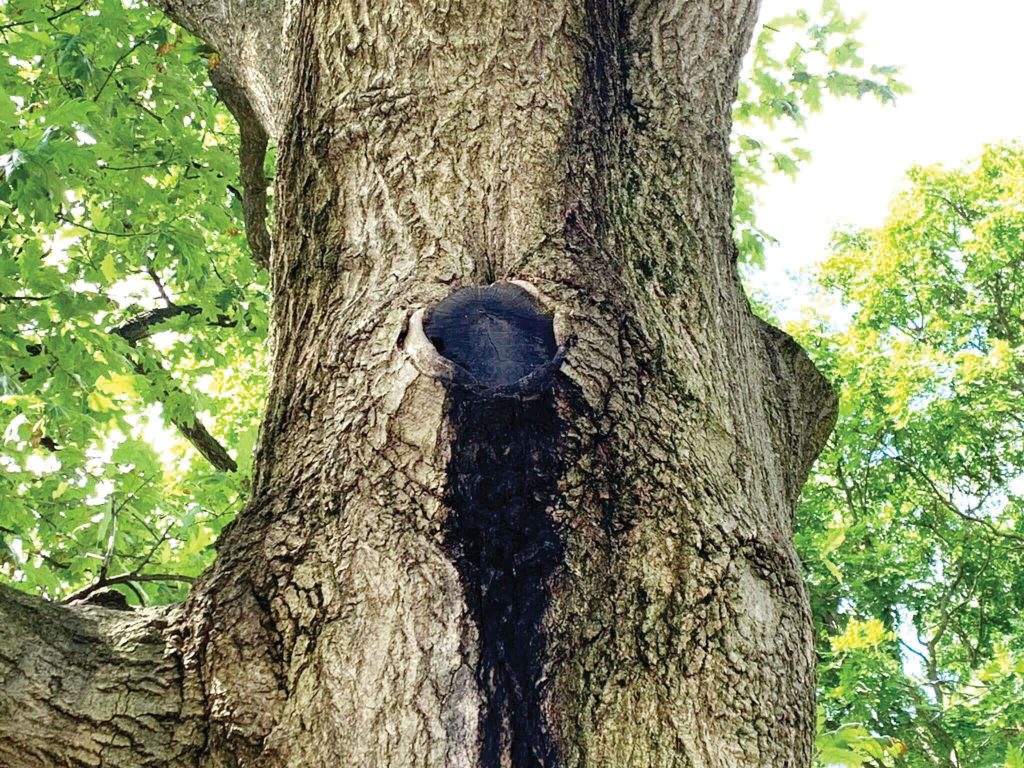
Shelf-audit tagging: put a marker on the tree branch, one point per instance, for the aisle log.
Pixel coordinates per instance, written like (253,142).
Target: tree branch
(947,503)
(140,327)
(247,35)
(195,432)
(124,578)
(248,75)
(252,153)
(85,685)
(206,444)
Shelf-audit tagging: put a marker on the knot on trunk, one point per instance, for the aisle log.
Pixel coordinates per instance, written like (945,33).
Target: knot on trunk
(802,406)
(495,340)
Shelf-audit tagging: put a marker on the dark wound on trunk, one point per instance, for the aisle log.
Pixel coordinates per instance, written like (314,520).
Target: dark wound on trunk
(502,482)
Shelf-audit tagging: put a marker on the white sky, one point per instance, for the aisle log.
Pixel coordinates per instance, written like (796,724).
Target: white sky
(963,62)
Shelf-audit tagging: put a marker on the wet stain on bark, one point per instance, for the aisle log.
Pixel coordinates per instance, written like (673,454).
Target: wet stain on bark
(502,482)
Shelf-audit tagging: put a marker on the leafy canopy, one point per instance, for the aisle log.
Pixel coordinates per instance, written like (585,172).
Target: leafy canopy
(117,195)
(912,527)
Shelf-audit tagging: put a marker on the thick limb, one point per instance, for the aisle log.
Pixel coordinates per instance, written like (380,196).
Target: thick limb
(247,36)
(91,686)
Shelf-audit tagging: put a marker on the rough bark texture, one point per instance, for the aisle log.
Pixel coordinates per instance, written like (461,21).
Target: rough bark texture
(247,35)
(592,569)
(90,686)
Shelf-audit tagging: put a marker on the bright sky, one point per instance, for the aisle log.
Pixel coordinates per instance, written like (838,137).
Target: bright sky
(963,62)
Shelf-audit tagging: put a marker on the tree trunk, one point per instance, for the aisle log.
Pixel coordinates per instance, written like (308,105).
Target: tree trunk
(546,523)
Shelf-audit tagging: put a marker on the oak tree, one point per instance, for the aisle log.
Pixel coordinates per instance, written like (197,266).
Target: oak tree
(524,485)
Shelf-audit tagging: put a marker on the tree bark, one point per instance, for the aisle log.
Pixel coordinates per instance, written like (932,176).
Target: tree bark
(590,566)
(89,686)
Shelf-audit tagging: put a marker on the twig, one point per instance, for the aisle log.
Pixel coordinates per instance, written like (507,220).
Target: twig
(125,578)
(108,555)
(116,64)
(11,299)
(144,561)
(49,19)
(159,286)
(96,231)
(951,506)
(140,167)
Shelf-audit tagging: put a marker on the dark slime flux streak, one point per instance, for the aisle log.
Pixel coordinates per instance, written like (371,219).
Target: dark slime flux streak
(502,480)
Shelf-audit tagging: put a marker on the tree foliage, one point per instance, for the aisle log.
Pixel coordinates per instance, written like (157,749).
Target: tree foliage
(912,528)
(118,196)
(797,62)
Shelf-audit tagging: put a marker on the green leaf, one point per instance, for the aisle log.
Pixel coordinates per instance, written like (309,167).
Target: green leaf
(109,268)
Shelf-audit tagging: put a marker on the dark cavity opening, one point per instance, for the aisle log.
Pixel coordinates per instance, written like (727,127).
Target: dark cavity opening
(496,333)
(502,483)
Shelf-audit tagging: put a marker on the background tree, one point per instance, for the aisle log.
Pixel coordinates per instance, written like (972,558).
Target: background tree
(92,506)
(121,210)
(911,530)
